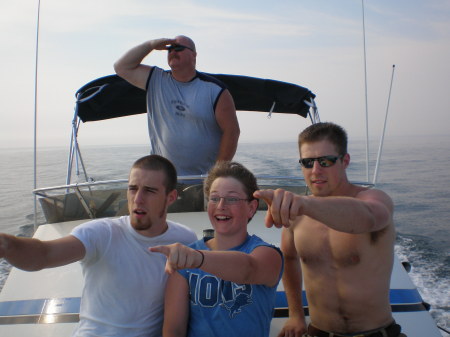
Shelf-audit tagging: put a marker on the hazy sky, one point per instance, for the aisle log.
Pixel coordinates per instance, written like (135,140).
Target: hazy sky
(317,44)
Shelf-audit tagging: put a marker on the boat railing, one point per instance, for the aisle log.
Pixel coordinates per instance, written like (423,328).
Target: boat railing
(108,198)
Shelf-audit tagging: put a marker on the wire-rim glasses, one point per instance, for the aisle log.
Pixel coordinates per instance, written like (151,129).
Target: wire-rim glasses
(227,200)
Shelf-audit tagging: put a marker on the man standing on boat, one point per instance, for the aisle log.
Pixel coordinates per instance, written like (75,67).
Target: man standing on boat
(123,292)
(339,240)
(191,116)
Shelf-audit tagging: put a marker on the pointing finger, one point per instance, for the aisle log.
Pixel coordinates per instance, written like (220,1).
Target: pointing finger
(160,249)
(266,195)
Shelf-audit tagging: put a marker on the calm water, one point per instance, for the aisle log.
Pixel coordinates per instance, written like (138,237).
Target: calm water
(413,172)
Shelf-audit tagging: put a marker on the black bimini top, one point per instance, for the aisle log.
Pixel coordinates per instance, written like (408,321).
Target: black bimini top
(111,96)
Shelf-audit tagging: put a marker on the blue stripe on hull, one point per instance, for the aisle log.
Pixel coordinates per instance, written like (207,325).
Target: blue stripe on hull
(49,306)
(396,297)
(54,310)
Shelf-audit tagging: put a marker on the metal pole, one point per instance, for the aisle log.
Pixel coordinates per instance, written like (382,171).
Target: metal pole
(375,175)
(365,86)
(35,114)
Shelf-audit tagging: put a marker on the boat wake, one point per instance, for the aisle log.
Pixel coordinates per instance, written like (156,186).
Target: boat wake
(430,272)
(5,267)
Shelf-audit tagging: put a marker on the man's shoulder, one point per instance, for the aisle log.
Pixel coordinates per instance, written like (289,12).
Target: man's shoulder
(364,190)
(96,224)
(158,74)
(374,194)
(179,226)
(181,231)
(211,79)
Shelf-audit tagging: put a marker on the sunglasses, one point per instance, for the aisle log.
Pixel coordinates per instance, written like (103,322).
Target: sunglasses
(325,161)
(177,48)
(227,200)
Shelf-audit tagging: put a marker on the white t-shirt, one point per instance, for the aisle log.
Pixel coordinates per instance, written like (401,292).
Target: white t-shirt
(123,294)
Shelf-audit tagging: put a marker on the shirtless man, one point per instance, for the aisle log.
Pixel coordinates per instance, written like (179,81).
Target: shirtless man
(340,240)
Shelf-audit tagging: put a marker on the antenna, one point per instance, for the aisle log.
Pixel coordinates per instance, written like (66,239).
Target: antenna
(35,113)
(365,86)
(375,175)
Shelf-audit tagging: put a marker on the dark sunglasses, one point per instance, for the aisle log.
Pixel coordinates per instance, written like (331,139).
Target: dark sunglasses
(325,161)
(177,48)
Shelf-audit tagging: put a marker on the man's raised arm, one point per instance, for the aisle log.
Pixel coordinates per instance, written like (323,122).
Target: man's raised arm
(129,66)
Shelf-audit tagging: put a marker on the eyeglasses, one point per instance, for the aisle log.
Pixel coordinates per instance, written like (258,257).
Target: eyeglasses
(325,161)
(227,200)
(177,48)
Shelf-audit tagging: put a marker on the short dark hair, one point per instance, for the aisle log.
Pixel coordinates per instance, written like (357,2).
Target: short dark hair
(325,131)
(155,162)
(234,170)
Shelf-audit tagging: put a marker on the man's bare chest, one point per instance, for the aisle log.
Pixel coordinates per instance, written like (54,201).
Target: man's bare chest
(320,246)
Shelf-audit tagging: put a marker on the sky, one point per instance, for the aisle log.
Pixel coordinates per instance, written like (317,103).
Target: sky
(317,44)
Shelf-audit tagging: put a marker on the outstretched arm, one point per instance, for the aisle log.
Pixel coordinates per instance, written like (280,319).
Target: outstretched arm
(370,210)
(129,66)
(33,254)
(228,123)
(176,306)
(261,266)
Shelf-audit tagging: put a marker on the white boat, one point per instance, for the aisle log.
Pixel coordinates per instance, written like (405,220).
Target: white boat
(47,302)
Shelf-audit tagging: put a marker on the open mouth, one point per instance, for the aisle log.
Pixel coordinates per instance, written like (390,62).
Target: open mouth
(139,212)
(222,217)
(318,181)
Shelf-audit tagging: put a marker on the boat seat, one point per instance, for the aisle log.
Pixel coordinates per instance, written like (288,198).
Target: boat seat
(123,208)
(190,199)
(105,205)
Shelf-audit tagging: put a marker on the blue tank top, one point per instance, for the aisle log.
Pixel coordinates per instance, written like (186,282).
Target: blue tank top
(223,308)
